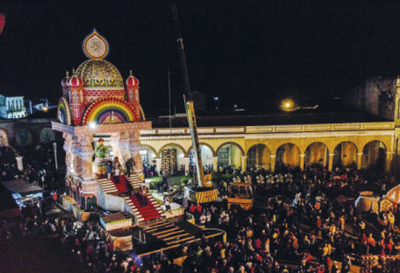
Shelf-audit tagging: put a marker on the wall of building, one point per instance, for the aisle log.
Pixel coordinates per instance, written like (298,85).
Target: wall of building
(375,96)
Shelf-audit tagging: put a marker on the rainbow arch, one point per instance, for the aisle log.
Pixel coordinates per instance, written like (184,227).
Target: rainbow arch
(63,112)
(107,109)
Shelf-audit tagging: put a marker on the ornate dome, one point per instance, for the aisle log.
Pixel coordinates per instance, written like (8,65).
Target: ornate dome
(75,80)
(99,73)
(132,81)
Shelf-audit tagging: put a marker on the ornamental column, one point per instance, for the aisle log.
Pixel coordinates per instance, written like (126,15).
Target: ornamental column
(302,161)
(86,154)
(272,159)
(134,149)
(69,156)
(330,166)
(89,184)
(359,160)
(244,163)
(215,163)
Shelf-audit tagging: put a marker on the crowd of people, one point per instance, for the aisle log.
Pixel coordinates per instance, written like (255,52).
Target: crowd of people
(301,226)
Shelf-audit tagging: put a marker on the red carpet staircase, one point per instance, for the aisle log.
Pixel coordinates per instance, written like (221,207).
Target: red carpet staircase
(150,212)
(134,181)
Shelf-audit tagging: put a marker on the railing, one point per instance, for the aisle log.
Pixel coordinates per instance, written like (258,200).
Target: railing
(273,129)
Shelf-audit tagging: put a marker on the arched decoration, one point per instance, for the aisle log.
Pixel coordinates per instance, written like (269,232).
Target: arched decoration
(345,154)
(23,137)
(258,156)
(47,135)
(207,155)
(3,138)
(64,112)
(374,156)
(287,155)
(316,154)
(109,110)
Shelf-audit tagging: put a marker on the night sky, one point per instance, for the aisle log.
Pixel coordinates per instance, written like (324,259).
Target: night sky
(250,54)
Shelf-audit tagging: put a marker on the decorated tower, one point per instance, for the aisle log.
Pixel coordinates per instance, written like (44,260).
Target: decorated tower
(96,104)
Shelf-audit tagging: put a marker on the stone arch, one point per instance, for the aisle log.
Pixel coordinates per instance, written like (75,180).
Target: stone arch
(230,154)
(214,153)
(258,155)
(317,153)
(147,158)
(47,135)
(287,155)
(345,154)
(374,156)
(232,143)
(172,144)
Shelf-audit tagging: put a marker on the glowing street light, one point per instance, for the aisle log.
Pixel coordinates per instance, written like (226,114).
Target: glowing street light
(287,105)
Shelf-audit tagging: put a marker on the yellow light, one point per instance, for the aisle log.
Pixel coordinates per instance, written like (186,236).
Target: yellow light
(45,109)
(287,105)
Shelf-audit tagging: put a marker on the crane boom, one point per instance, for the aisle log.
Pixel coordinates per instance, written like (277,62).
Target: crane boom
(189,104)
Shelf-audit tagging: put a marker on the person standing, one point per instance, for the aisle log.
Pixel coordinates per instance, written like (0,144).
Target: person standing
(109,169)
(128,167)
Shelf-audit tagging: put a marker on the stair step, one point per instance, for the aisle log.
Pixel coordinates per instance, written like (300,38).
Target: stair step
(159,228)
(181,240)
(172,233)
(176,236)
(165,231)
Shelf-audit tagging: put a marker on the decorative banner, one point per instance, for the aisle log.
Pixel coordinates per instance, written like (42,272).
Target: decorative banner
(2,22)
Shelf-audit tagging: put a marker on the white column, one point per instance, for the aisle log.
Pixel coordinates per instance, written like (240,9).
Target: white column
(186,163)
(215,163)
(20,164)
(158,164)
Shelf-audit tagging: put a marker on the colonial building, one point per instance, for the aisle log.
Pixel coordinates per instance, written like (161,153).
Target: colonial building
(367,137)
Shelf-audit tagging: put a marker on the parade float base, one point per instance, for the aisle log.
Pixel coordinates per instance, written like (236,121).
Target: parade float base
(113,221)
(201,194)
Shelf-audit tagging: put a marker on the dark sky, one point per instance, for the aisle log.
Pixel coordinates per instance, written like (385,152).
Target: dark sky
(254,54)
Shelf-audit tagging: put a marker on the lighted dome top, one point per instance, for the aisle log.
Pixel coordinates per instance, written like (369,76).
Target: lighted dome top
(99,73)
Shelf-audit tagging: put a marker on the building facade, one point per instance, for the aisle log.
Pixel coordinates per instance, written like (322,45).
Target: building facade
(370,142)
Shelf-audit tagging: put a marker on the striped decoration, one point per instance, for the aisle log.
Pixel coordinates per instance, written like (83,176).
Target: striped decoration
(102,110)
(207,196)
(63,111)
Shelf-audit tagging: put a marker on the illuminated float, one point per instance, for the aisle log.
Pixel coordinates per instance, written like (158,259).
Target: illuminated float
(100,116)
